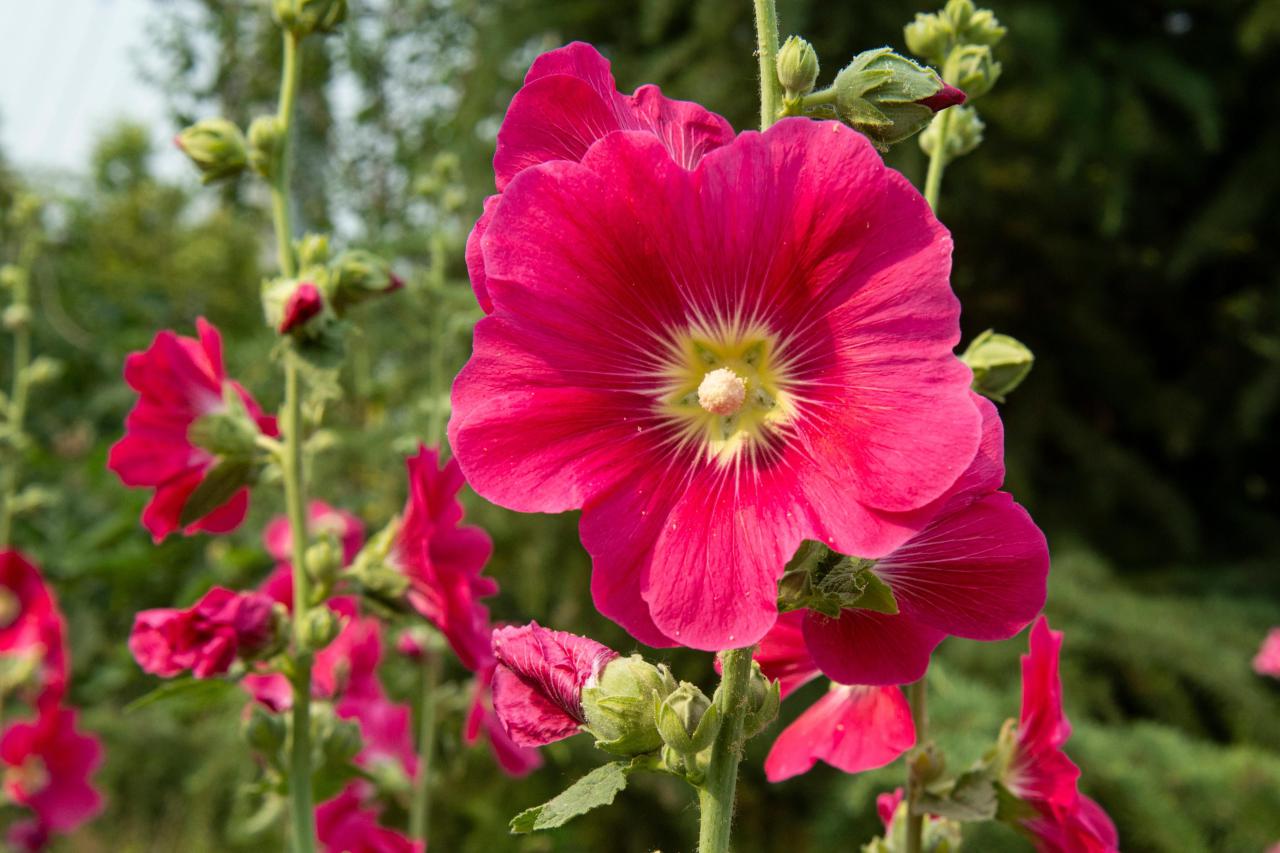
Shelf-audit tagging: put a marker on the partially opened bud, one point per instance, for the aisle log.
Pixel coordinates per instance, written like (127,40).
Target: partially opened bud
(889,98)
(764,698)
(929,37)
(797,65)
(999,364)
(357,275)
(971,25)
(619,707)
(216,146)
(973,69)
(312,250)
(291,304)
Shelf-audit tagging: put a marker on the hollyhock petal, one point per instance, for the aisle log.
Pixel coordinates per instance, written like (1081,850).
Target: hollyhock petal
(865,647)
(515,760)
(1042,724)
(385,729)
(784,656)
(60,794)
(1267,660)
(345,825)
(205,638)
(475,256)
(303,304)
(32,627)
(887,804)
(321,518)
(851,728)
(978,573)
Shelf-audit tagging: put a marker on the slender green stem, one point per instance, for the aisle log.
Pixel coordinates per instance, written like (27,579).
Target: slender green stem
(436,377)
(937,162)
(717,792)
(767,54)
(916,693)
(420,813)
(290,72)
(17,413)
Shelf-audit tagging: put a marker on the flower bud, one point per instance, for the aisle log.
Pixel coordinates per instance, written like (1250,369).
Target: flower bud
(764,698)
(16,317)
(964,133)
(687,720)
(304,17)
(265,136)
(342,742)
(43,369)
(216,146)
(323,560)
(312,250)
(619,707)
(973,69)
(264,731)
(970,25)
(320,626)
(929,37)
(999,364)
(290,305)
(358,275)
(889,98)
(797,65)
(926,764)
(11,276)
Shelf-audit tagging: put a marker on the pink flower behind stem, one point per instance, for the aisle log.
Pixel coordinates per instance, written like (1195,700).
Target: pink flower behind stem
(619,282)
(1039,772)
(852,728)
(1267,660)
(321,519)
(46,768)
(978,570)
(514,759)
(537,687)
(345,824)
(178,381)
(31,627)
(205,638)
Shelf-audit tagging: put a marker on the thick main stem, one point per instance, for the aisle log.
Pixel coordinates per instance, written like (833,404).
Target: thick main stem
(767,54)
(716,795)
(420,813)
(920,717)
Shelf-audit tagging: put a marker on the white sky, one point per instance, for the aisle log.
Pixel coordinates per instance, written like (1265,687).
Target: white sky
(67,70)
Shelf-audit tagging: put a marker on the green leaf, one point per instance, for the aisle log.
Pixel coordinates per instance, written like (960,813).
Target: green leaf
(597,788)
(226,478)
(971,798)
(206,691)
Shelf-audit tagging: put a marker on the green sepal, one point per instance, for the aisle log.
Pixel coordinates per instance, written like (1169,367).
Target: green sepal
(597,788)
(223,480)
(969,798)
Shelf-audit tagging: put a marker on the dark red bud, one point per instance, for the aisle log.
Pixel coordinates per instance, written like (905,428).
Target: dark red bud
(947,96)
(304,303)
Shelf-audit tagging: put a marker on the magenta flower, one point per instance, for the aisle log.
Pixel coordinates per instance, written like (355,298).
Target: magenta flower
(205,638)
(179,381)
(1039,772)
(322,519)
(1267,660)
(537,687)
(345,824)
(443,559)
(977,570)
(715,367)
(385,729)
(31,627)
(515,760)
(887,804)
(568,101)
(851,728)
(303,303)
(46,768)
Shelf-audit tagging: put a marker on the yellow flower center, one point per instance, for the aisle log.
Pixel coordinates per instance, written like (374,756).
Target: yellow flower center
(726,391)
(30,777)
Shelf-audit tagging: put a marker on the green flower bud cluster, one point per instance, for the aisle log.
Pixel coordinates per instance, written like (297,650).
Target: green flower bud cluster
(797,65)
(933,36)
(355,276)
(964,134)
(887,97)
(999,364)
(266,137)
(217,148)
(304,17)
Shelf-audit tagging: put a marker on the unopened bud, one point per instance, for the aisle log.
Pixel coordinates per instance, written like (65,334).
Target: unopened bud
(926,764)
(11,276)
(342,742)
(266,133)
(312,250)
(357,275)
(687,720)
(797,65)
(964,133)
(264,731)
(43,369)
(290,305)
(303,17)
(323,559)
(889,98)
(216,146)
(973,69)
(929,37)
(320,626)
(971,25)
(16,317)
(764,698)
(619,708)
(999,364)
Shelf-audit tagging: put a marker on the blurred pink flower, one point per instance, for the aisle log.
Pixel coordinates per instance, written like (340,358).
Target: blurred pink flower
(31,628)
(568,101)
(443,559)
(178,380)
(46,768)
(851,728)
(887,804)
(345,825)
(205,638)
(977,570)
(537,687)
(303,303)
(1267,660)
(632,302)
(1040,773)
(385,728)
(514,759)
(322,519)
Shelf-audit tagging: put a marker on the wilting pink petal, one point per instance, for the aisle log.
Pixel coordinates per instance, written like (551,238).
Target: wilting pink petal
(851,728)
(46,768)
(204,639)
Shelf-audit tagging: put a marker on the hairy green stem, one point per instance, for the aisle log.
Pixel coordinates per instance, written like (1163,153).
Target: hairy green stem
(767,54)
(280,213)
(715,797)
(439,325)
(420,813)
(17,414)
(920,717)
(938,161)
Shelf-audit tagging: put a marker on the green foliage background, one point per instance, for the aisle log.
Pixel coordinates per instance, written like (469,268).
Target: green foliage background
(1122,218)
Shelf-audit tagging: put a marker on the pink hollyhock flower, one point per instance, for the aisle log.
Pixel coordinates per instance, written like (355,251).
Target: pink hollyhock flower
(537,687)
(385,729)
(179,381)
(443,559)
(31,627)
(887,804)
(1039,772)
(46,768)
(851,728)
(514,759)
(1267,660)
(207,637)
(716,361)
(568,101)
(303,303)
(322,519)
(977,570)
(345,825)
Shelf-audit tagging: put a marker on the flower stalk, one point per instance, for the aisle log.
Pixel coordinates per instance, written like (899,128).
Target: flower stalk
(767,55)
(717,793)
(20,310)
(420,810)
(937,161)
